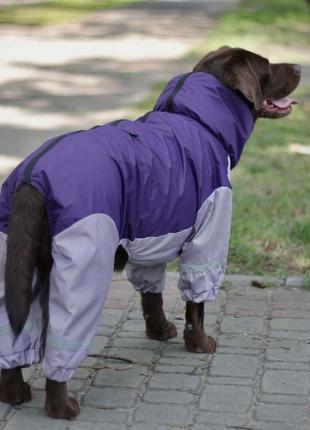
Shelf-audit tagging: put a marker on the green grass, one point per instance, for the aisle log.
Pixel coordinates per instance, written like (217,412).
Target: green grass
(271,222)
(54,12)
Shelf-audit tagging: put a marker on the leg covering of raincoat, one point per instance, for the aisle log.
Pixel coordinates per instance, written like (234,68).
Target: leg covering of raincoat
(147,279)
(79,282)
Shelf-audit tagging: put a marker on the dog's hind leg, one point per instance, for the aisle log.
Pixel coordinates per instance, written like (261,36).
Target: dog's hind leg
(20,308)
(13,389)
(194,335)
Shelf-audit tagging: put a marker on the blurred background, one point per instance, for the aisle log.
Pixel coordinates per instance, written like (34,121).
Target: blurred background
(71,64)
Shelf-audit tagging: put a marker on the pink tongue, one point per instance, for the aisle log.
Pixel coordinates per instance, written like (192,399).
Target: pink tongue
(284,103)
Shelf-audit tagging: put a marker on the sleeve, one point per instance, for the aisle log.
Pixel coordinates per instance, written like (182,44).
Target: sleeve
(204,254)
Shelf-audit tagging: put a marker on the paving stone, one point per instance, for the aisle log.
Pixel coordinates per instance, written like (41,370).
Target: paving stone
(177,350)
(168,396)
(138,356)
(123,377)
(150,426)
(110,397)
(243,340)
(138,334)
(163,414)
(283,399)
(4,410)
(98,345)
(246,307)
(186,370)
(237,351)
(286,382)
(234,365)
(291,324)
(290,313)
(226,380)
(95,415)
(174,381)
(210,427)
(81,373)
(93,426)
(221,417)
(133,325)
(292,351)
(293,335)
(286,365)
(111,317)
(186,360)
(281,413)
(136,343)
(34,419)
(226,397)
(247,325)
(290,299)
(277,426)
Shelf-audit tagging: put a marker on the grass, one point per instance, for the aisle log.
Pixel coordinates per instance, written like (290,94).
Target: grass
(54,12)
(271,223)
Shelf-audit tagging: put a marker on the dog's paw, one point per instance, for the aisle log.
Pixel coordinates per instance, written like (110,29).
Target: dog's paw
(15,394)
(168,331)
(67,410)
(198,341)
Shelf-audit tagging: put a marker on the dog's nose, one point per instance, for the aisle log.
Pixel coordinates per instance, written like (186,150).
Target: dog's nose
(297,69)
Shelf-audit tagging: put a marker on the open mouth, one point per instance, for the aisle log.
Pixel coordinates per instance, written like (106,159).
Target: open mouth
(280,106)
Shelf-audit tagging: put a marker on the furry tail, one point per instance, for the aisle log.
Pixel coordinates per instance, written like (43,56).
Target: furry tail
(23,247)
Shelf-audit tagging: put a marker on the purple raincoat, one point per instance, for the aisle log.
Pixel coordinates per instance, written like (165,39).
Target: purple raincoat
(158,185)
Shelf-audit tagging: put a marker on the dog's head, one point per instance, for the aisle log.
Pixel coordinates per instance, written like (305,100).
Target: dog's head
(265,85)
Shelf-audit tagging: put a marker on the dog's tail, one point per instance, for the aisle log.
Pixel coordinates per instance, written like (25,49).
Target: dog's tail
(23,247)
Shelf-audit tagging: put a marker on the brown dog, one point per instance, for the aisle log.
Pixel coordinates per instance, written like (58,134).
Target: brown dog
(264,88)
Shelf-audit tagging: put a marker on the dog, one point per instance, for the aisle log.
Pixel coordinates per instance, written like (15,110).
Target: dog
(129,193)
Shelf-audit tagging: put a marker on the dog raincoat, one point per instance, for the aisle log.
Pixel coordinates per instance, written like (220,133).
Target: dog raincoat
(158,185)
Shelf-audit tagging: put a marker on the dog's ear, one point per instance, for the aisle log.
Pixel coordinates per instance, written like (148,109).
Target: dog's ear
(203,64)
(242,76)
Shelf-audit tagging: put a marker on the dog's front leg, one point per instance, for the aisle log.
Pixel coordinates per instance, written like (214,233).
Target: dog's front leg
(195,337)
(156,325)
(57,403)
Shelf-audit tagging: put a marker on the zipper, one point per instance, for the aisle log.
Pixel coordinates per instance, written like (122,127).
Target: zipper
(30,166)
(179,85)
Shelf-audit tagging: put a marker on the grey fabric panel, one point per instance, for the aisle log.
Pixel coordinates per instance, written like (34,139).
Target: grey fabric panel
(155,250)
(80,279)
(203,259)
(147,279)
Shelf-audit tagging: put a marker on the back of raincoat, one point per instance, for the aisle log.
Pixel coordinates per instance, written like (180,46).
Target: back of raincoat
(158,185)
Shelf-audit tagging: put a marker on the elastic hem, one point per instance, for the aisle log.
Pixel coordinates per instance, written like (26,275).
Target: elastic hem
(59,374)
(21,359)
(149,288)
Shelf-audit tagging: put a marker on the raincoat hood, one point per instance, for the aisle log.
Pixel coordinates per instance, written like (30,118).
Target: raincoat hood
(204,98)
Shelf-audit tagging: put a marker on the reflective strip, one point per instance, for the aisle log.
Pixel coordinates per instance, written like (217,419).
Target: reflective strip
(6,330)
(202,268)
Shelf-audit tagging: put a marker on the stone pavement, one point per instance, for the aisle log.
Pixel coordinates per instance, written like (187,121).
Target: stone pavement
(259,378)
